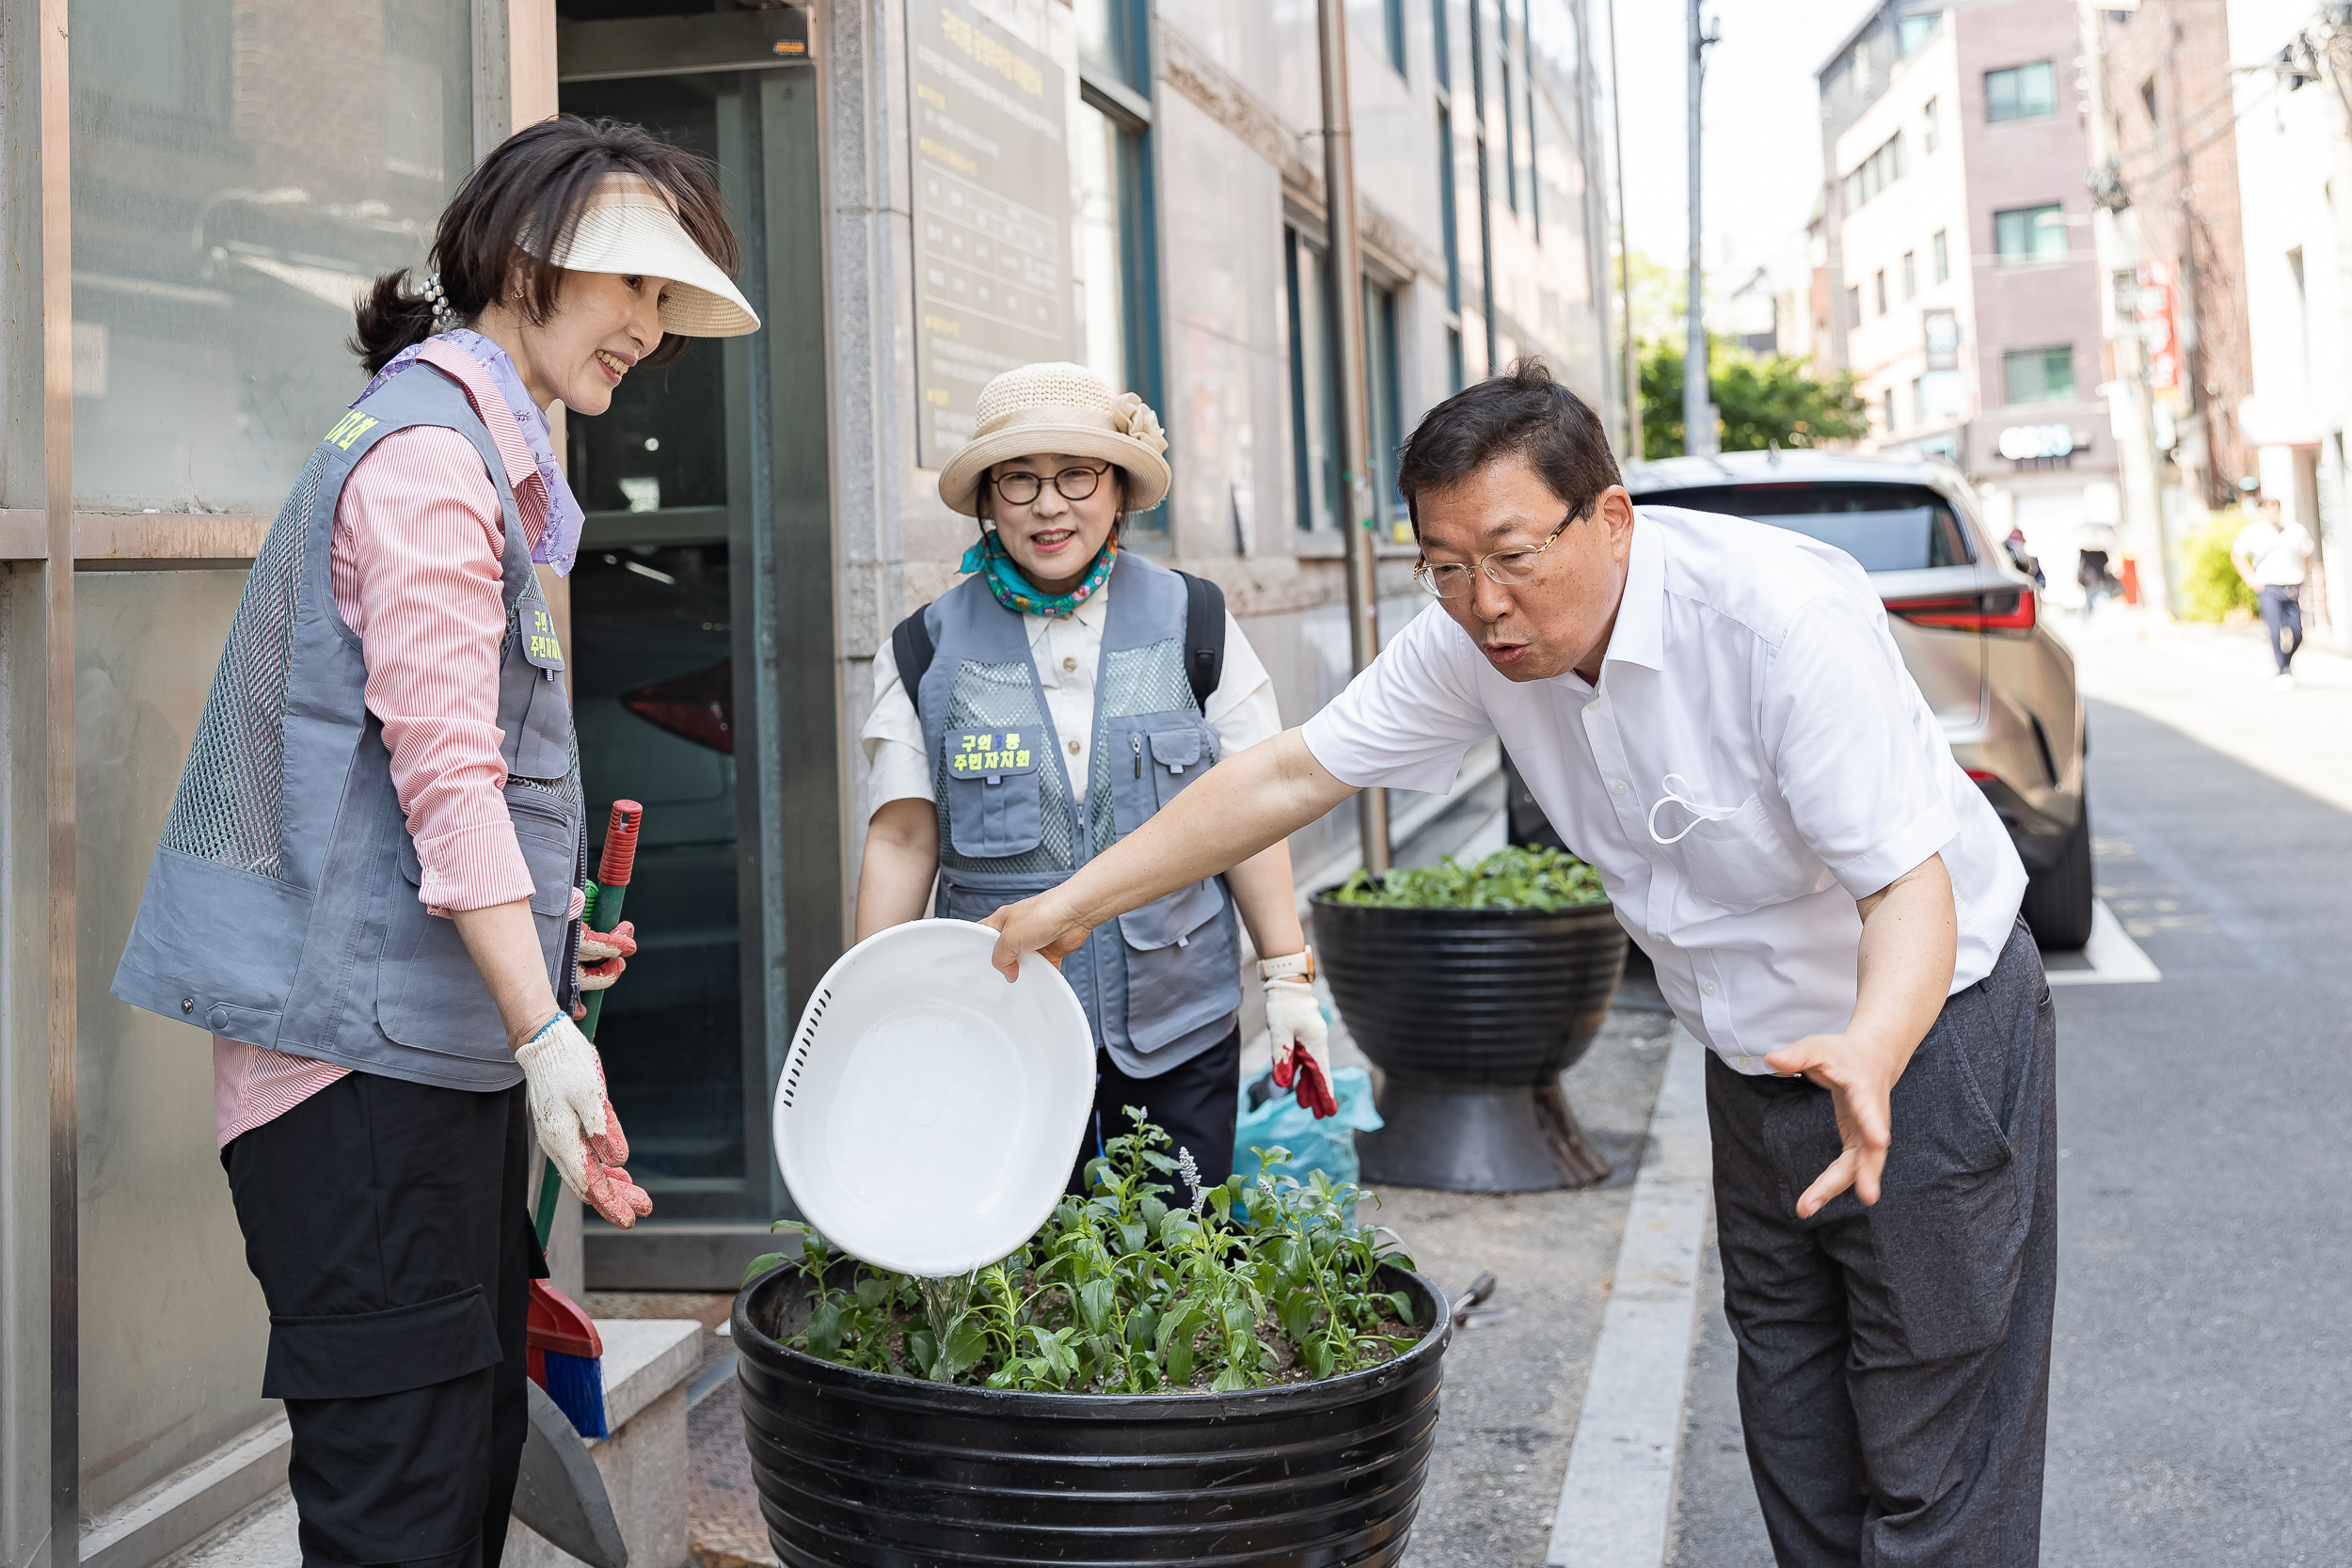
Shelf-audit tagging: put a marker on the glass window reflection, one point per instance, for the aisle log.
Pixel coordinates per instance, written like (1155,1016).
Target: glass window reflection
(242,170)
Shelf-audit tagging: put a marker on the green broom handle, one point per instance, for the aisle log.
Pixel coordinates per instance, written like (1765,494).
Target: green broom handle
(601,913)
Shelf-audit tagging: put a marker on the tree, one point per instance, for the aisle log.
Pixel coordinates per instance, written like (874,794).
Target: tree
(1760,400)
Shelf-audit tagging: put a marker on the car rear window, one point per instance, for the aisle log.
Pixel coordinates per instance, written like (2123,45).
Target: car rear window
(1888,528)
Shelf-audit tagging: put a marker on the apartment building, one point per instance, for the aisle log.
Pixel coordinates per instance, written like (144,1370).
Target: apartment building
(1960,277)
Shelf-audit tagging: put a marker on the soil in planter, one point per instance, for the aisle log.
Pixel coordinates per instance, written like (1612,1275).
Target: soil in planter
(1247,1285)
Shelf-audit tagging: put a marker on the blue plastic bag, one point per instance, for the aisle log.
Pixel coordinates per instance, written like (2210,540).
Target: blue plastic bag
(1327,1145)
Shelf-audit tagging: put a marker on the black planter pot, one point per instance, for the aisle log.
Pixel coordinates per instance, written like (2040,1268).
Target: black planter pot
(856,1468)
(1472,1016)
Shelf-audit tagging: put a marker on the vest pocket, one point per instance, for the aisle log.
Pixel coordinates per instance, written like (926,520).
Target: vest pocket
(1154,756)
(1178,972)
(995,818)
(429,994)
(543,747)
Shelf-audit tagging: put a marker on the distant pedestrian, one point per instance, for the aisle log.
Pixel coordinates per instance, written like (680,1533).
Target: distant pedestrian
(2273,556)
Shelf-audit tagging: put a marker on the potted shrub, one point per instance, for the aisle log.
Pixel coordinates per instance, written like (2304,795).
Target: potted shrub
(1245,1375)
(1473,988)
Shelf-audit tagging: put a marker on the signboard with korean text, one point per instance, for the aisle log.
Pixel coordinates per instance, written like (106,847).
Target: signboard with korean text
(2158,306)
(991,214)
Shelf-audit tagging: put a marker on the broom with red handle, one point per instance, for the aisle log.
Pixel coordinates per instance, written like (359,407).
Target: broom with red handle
(564,1346)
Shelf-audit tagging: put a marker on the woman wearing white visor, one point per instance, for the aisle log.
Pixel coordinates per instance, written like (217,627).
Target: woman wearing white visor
(1047,707)
(368,887)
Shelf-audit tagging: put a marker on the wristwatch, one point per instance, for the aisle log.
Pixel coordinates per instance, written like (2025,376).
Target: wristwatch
(1293,966)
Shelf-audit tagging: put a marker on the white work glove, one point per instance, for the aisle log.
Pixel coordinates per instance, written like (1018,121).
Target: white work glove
(604,954)
(564,1082)
(1296,1037)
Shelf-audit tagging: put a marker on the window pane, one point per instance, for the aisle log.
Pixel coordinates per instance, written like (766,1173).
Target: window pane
(1913,31)
(230,203)
(2025,234)
(1101,251)
(1392,29)
(1105,39)
(1943,257)
(1315,415)
(1380,374)
(2022,92)
(2040,374)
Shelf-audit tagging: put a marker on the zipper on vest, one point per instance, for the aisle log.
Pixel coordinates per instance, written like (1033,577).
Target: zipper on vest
(1136,741)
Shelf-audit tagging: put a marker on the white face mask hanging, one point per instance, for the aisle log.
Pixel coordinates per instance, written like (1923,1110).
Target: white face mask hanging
(1674,783)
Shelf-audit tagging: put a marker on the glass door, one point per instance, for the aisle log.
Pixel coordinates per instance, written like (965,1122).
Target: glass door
(703,601)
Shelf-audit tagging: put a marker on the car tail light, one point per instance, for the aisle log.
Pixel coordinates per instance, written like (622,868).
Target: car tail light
(699,706)
(2009,610)
(1980,776)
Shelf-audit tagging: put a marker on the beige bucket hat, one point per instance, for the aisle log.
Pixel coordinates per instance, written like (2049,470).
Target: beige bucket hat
(629,227)
(1065,408)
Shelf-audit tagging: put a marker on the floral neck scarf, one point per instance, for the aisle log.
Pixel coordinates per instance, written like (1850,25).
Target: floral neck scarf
(559,542)
(1023,597)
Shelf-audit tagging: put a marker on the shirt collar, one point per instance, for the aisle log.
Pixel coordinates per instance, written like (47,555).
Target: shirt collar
(522,469)
(1640,634)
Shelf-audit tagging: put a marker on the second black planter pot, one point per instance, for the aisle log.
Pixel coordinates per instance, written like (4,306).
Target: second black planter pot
(1472,1016)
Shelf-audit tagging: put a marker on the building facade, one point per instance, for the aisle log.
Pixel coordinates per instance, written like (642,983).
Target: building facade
(2170,84)
(929,191)
(1962,284)
(2294,159)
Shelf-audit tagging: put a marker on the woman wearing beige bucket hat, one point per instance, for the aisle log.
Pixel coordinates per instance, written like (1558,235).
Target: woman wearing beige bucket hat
(368,890)
(1048,705)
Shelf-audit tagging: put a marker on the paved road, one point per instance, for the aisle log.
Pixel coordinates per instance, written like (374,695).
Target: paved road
(2201,1397)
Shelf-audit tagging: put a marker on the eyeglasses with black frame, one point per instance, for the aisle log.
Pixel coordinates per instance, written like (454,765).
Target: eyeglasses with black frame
(1510,568)
(1020,487)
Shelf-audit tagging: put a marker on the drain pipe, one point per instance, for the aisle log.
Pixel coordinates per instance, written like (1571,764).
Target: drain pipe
(1348,287)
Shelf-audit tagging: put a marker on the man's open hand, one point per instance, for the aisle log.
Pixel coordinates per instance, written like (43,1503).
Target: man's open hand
(1045,924)
(1860,1074)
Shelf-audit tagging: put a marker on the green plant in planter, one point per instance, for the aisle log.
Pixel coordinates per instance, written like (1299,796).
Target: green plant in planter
(1125,1292)
(1518,878)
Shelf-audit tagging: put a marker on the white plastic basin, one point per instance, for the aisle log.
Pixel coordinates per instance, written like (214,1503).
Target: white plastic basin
(930,1113)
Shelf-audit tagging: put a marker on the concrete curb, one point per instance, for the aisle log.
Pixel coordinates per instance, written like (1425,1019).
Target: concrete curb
(1617,1498)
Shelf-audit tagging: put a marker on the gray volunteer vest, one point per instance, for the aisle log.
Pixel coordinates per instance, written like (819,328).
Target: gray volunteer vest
(282,908)
(1160,984)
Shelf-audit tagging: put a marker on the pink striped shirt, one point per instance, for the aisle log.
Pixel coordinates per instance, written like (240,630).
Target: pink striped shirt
(416,573)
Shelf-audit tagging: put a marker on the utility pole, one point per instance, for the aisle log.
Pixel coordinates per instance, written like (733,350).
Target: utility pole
(1625,259)
(1347,283)
(2118,252)
(1698,402)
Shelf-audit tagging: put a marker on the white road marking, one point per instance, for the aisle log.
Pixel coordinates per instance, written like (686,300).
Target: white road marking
(1618,1494)
(2110,958)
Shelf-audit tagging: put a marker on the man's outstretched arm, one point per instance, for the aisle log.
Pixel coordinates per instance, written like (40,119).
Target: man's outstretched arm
(1245,802)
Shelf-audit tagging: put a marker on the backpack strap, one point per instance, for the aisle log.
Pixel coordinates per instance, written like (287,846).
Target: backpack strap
(1204,637)
(910,646)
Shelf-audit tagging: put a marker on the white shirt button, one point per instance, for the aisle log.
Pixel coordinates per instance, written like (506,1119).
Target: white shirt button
(1074,747)
(1618,786)
(1709,988)
(432,877)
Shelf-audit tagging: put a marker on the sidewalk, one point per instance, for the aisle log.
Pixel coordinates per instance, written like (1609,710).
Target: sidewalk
(1515,1378)
(2214,682)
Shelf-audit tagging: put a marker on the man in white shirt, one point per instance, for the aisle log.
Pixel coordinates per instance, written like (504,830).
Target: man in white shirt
(1711,711)
(2272,560)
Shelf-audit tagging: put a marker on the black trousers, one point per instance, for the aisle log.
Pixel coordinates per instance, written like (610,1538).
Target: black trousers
(1895,1360)
(1198,1103)
(388,1223)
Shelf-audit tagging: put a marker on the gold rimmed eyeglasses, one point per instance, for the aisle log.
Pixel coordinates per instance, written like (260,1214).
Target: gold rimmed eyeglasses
(1507,568)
